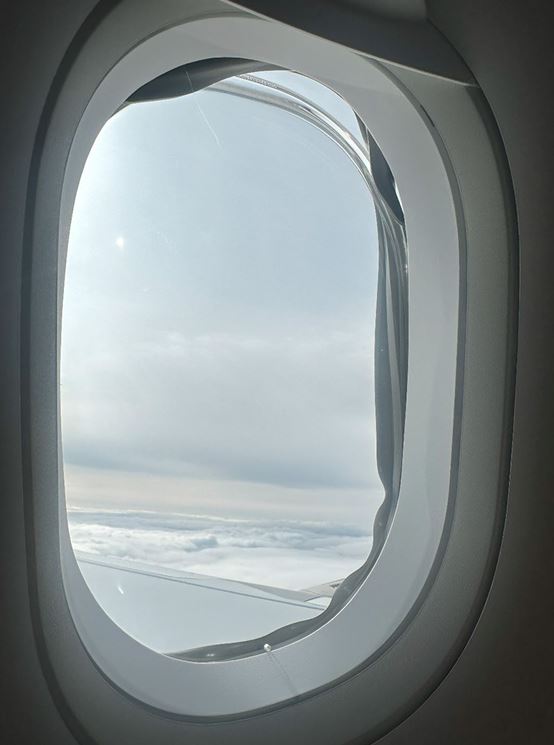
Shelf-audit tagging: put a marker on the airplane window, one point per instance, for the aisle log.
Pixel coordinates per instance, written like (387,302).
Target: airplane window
(221,334)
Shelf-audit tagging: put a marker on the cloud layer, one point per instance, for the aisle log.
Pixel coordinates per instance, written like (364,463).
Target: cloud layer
(280,553)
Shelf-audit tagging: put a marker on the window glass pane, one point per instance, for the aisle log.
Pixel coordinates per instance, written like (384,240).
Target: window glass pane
(217,388)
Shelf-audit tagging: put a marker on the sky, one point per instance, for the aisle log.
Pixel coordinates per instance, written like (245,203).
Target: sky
(217,339)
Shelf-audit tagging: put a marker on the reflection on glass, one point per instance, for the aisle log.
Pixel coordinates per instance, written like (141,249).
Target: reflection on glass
(217,366)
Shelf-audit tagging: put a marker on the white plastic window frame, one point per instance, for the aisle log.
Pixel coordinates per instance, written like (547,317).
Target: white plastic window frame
(448,207)
(383,600)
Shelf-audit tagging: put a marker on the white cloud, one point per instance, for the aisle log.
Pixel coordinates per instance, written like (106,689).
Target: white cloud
(280,553)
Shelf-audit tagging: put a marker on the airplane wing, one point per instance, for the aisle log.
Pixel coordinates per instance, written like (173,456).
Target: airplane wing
(167,609)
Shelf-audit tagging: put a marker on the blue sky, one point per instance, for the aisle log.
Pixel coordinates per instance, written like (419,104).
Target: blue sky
(219,307)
